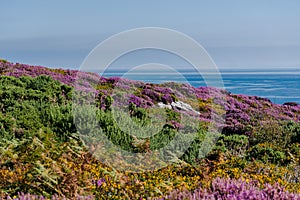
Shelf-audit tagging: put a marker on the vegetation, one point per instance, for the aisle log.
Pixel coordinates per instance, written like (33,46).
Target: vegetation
(48,149)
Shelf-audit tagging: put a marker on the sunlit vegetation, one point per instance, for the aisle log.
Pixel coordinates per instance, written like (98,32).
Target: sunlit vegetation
(44,152)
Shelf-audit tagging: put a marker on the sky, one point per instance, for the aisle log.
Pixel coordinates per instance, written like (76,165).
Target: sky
(237,34)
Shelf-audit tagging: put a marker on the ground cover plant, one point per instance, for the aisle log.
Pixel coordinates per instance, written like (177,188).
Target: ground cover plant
(256,154)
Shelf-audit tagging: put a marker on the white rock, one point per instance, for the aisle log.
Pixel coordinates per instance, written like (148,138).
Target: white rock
(183,106)
(178,105)
(162,105)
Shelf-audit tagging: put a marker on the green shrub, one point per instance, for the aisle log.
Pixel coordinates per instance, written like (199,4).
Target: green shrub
(172,115)
(34,103)
(292,130)
(235,144)
(202,145)
(266,153)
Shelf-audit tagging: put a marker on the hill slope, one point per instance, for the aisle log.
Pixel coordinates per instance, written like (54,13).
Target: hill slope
(42,152)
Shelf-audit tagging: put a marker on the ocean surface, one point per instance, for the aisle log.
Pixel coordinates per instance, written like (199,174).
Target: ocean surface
(278,85)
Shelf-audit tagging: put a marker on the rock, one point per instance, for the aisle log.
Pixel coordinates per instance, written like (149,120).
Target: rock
(162,105)
(179,105)
(183,106)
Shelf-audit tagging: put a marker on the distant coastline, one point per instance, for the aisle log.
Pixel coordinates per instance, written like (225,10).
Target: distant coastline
(278,85)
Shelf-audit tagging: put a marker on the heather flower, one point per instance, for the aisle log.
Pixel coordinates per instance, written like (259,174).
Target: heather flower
(228,189)
(100,182)
(139,102)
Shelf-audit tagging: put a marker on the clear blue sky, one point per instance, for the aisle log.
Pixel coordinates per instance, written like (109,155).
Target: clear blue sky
(236,33)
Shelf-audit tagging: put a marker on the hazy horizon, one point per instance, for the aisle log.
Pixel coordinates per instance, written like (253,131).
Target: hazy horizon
(236,34)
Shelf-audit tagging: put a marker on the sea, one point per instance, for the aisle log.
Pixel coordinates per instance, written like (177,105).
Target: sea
(278,85)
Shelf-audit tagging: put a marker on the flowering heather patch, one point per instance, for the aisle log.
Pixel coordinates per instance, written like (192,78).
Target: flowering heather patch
(23,196)
(139,102)
(242,111)
(17,70)
(227,189)
(240,108)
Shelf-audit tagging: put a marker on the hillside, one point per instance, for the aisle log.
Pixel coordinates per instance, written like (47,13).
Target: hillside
(47,150)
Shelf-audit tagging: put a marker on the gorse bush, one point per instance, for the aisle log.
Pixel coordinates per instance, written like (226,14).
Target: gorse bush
(235,145)
(266,153)
(33,103)
(294,131)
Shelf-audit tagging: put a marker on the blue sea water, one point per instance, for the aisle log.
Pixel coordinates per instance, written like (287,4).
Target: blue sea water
(279,86)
